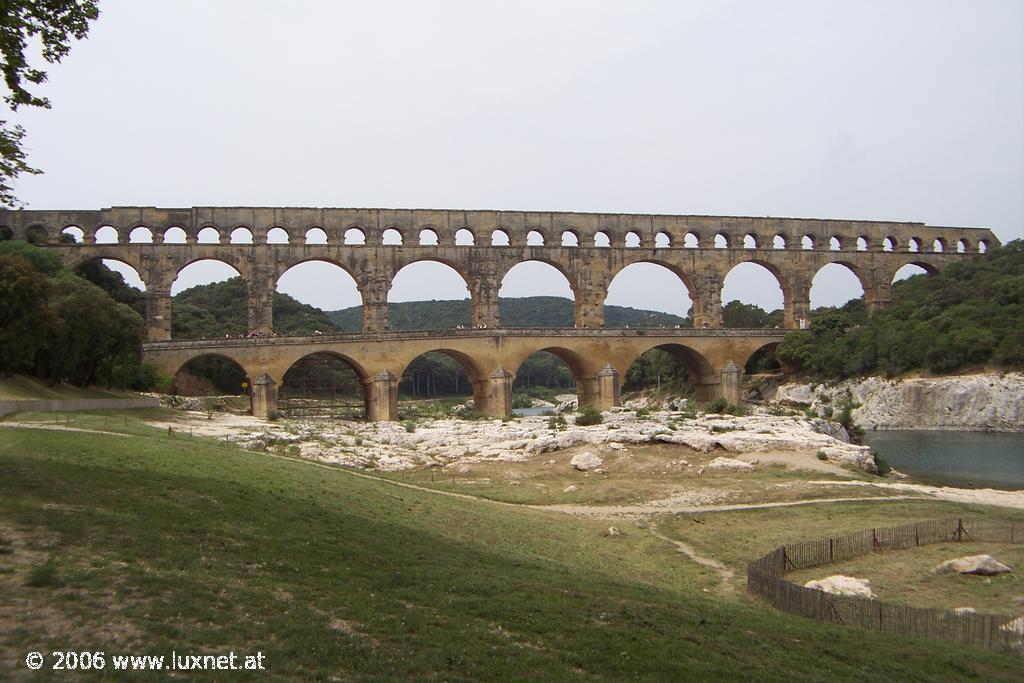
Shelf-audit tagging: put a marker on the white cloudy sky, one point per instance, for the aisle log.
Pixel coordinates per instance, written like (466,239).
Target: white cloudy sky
(910,110)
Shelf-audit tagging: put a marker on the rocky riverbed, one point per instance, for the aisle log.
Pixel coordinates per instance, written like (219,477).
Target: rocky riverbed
(980,402)
(443,442)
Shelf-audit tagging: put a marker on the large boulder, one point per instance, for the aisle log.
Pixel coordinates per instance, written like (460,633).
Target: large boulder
(833,429)
(567,406)
(983,565)
(585,461)
(843,585)
(1016,627)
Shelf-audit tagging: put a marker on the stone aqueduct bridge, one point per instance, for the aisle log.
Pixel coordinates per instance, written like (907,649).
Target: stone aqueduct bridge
(589,249)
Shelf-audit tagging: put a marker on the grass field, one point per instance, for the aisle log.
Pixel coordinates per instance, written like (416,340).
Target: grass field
(20,387)
(146,544)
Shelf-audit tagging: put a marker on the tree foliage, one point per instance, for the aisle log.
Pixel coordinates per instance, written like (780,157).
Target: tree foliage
(52,25)
(970,315)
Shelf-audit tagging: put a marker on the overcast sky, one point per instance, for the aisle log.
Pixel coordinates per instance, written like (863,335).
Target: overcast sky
(857,110)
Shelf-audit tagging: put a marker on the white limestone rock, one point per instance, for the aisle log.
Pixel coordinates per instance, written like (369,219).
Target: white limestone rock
(570,489)
(730,465)
(1016,627)
(585,461)
(833,429)
(567,406)
(982,565)
(839,584)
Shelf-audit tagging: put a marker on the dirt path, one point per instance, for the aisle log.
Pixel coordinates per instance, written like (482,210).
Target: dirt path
(725,574)
(57,428)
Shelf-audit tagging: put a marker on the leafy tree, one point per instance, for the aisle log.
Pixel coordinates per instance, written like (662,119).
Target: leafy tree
(52,24)
(24,316)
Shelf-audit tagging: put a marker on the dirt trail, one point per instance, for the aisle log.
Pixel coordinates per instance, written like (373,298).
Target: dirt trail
(57,428)
(725,574)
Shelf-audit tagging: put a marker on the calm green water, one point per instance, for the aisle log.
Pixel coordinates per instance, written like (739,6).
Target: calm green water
(964,459)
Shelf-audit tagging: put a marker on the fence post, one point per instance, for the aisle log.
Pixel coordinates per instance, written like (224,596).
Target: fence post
(959,530)
(831,552)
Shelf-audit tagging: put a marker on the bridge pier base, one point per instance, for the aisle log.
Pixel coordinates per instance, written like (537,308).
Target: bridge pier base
(499,394)
(382,397)
(608,388)
(732,381)
(264,397)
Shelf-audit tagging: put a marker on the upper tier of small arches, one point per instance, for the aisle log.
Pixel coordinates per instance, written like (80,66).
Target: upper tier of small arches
(451,228)
(500,237)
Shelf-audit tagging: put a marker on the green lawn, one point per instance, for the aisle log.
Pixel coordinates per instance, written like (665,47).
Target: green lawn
(146,544)
(20,387)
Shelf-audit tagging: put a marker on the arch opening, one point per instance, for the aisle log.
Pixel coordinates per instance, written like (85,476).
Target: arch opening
(914,245)
(211,375)
(323,385)
(982,246)
(834,285)
(807,242)
(862,244)
(106,235)
(428,238)
(762,362)
(543,378)
(691,240)
(499,238)
(6,233)
(241,235)
(194,288)
(277,236)
(391,238)
(316,236)
(961,246)
(661,294)
(939,245)
(721,241)
(428,281)
(208,235)
(601,239)
(140,235)
(442,378)
(464,238)
(632,240)
(355,236)
(752,297)
(534,238)
(888,244)
(835,244)
(118,279)
(37,234)
(750,241)
(75,234)
(779,242)
(910,270)
(532,286)
(323,287)
(662,241)
(570,239)
(175,235)
(671,369)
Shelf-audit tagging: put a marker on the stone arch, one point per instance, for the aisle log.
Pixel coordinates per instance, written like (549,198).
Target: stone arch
(400,291)
(76,234)
(655,270)
(537,277)
(863,243)
(6,233)
(476,374)
(779,241)
(691,240)
(662,240)
(835,276)
(37,234)
(139,235)
(583,382)
(464,237)
(323,283)
(278,235)
(983,246)
(316,235)
(106,234)
(632,240)
(914,245)
(753,272)
(392,237)
(939,245)
(570,238)
(241,235)
(750,241)
(428,237)
(354,236)
(174,235)
(835,243)
(721,240)
(535,238)
(962,246)
(500,238)
(888,244)
(208,235)
(127,268)
(317,382)
(807,242)
(601,239)
(761,359)
(703,375)
(911,268)
(210,374)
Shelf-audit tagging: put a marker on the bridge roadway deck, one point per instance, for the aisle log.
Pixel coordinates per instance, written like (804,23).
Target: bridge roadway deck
(598,358)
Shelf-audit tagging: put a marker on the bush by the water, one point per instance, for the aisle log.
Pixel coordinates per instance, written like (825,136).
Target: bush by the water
(589,415)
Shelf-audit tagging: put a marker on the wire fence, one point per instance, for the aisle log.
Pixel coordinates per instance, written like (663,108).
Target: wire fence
(766,578)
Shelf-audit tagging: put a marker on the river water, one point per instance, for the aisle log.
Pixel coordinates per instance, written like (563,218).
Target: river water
(964,459)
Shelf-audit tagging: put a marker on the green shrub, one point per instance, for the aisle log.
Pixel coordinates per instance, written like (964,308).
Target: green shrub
(642,412)
(589,415)
(717,406)
(557,422)
(718,429)
(521,401)
(410,426)
(881,463)
(737,409)
(44,576)
(826,412)
(821,455)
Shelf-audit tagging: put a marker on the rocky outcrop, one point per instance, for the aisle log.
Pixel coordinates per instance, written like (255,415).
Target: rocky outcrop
(585,461)
(987,402)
